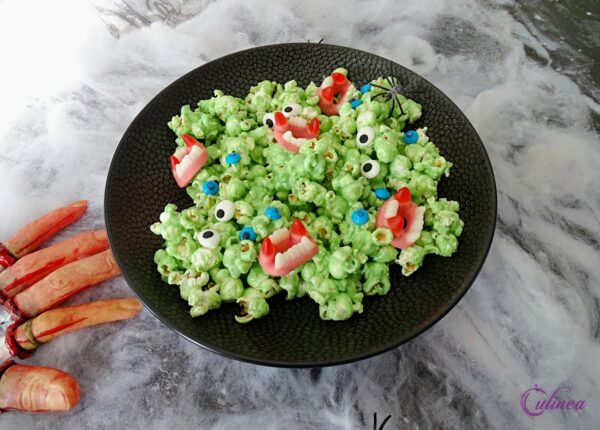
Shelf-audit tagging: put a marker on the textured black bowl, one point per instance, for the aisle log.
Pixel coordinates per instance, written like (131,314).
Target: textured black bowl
(140,184)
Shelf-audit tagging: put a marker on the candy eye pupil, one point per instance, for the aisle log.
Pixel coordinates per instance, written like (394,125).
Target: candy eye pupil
(207,234)
(270,123)
(363,138)
(220,213)
(245,235)
(367,167)
(288,109)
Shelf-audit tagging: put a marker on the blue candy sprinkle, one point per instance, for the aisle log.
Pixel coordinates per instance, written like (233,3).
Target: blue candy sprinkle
(411,136)
(366,88)
(272,213)
(210,188)
(247,233)
(355,103)
(233,158)
(360,216)
(382,193)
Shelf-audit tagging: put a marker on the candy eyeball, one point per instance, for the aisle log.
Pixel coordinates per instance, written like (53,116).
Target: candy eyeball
(370,169)
(365,136)
(292,109)
(247,233)
(269,119)
(209,238)
(224,210)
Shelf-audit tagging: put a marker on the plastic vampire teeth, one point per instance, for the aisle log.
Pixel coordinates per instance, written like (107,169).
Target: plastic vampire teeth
(285,250)
(188,160)
(403,217)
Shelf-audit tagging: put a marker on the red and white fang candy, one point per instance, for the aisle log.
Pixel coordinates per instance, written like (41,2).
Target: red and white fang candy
(333,93)
(285,250)
(188,160)
(403,217)
(292,133)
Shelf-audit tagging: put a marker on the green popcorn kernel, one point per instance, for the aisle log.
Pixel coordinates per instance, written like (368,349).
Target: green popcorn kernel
(291,284)
(205,259)
(339,309)
(445,243)
(321,290)
(386,144)
(261,281)
(203,301)
(382,236)
(412,257)
(349,188)
(165,263)
(231,289)
(253,304)
(385,254)
(342,263)
(400,167)
(377,279)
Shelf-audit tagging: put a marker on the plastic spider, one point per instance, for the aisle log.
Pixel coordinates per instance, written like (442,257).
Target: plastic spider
(390,93)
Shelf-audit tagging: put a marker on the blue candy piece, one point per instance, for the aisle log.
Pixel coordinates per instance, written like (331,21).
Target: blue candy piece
(355,103)
(360,216)
(411,136)
(272,213)
(366,88)
(210,188)
(247,233)
(233,158)
(382,193)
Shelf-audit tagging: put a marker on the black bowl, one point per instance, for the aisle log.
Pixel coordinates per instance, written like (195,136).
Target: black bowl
(140,184)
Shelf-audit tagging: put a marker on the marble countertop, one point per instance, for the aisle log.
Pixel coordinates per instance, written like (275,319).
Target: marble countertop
(75,75)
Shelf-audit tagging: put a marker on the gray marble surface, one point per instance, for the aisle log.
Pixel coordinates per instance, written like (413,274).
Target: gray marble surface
(75,74)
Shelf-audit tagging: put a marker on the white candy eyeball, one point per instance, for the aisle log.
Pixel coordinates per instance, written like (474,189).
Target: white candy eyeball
(269,119)
(225,210)
(292,109)
(365,136)
(209,238)
(370,169)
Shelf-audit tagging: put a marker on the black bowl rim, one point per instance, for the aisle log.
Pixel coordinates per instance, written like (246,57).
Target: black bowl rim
(324,363)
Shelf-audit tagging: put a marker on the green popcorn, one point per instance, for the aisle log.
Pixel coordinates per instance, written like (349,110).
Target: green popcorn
(321,185)
(385,254)
(412,109)
(231,289)
(239,257)
(412,257)
(203,301)
(312,192)
(243,212)
(349,188)
(400,167)
(253,304)
(321,290)
(261,281)
(292,285)
(447,222)
(343,263)
(192,218)
(421,187)
(338,309)
(234,189)
(377,279)
(205,259)
(382,236)
(386,144)
(446,243)
(191,281)
(182,124)
(183,247)
(165,263)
